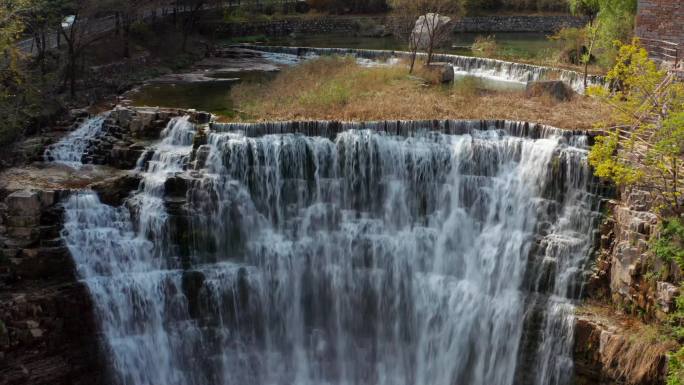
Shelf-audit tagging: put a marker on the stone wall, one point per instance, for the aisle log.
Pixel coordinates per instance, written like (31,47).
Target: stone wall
(627,273)
(353,25)
(517,23)
(661,20)
(47,331)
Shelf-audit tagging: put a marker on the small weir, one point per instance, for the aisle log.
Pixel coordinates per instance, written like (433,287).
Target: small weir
(463,65)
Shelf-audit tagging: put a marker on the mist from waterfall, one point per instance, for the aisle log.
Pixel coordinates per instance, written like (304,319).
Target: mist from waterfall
(366,258)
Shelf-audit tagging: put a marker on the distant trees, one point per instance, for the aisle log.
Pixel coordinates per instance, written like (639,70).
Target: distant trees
(127,12)
(42,19)
(11,77)
(79,29)
(609,21)
(349,6)
(190,17)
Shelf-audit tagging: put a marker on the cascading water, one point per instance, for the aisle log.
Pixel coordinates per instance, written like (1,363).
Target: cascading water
(70,150)
(364,259)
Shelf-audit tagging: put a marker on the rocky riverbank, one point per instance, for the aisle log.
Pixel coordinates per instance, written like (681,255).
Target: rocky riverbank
(618,338)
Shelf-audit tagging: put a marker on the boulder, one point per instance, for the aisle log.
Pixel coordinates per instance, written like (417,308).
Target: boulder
(200,117)
(556,89)
(666,295)
(114,190)
(24,203)
(444,72)
(426,23)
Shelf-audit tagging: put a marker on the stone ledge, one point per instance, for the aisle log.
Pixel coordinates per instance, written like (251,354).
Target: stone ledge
(607,353)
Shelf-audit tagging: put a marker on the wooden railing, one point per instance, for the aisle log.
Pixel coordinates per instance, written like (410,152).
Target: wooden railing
(663,50)
(666,51)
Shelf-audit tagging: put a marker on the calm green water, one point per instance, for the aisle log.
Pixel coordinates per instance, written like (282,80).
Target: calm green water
(214,97)
(525,45)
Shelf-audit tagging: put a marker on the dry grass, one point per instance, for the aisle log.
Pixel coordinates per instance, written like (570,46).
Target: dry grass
(336,88)
(630,350)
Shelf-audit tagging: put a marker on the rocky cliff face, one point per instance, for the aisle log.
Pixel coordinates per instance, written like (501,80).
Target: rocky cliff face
(47,334)
(47,327)
(629,285)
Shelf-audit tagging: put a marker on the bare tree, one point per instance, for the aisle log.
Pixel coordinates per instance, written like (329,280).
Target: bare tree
(190,16)
(436,27)
(127,13)
(80,30)
(404,16)
(424,23)
(42,20)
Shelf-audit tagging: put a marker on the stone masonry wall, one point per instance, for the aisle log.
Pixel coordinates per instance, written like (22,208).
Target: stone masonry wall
(342,24)
(661,19)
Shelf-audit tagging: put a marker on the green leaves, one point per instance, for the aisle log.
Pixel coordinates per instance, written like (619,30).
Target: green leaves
(585,7)
(670,242)
(644,141)
(675,368)
(607,162)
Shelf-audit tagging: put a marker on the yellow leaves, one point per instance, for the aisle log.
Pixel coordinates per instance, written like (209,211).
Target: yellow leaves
(648,108)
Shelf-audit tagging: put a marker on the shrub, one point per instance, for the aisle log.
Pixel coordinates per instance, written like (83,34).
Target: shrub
(669,246)
(485,46)
(643,142)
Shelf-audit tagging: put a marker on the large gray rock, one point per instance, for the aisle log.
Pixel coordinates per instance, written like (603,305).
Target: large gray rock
(24,203)
(666,295)
(424,25)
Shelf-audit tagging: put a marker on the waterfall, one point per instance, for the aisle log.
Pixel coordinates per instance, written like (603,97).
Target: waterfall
(71,149)
(464,65)
(355,257)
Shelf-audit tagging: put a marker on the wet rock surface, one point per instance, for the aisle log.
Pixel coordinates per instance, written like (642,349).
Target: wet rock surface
(606,350)
(47,332)
(47,326)
(223,65)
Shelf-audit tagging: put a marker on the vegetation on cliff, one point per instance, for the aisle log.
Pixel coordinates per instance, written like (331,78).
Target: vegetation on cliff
(643,149)
(643,144)
(669,246)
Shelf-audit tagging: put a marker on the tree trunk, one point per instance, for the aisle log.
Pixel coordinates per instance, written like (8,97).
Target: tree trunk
(72,72)
(126,40)
(586,73)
